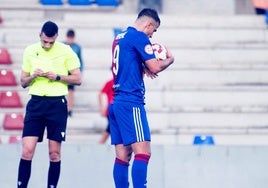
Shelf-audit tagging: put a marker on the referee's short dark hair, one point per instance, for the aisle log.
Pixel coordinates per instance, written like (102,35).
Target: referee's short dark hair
(50,29)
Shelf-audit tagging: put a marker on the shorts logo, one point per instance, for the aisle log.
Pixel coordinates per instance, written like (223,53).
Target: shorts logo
(62,134)
(148,49)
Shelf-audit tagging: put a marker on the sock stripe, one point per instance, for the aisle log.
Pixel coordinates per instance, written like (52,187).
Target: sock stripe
(142,157)
(121,162)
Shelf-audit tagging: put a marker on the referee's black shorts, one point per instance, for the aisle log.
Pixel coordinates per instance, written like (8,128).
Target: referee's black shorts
(46,112)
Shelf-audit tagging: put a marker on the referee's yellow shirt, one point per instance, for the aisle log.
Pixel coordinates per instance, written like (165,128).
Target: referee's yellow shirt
(59,59)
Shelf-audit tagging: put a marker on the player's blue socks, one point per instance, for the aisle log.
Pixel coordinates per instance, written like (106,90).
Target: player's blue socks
(120,173)
(53,174)
(139,170)
(24,173)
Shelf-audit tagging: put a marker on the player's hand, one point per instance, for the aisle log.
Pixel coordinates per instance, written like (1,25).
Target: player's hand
(169,55)
(149,74)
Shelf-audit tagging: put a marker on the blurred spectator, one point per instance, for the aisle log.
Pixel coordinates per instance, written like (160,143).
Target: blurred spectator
(260,6)
(1,19)
(105,96)
(154,4)
(70,40)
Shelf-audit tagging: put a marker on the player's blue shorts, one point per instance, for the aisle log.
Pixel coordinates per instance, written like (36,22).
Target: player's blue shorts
(128,123)
(46,112)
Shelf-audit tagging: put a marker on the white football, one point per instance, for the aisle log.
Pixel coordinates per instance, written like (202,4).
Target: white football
(160,51)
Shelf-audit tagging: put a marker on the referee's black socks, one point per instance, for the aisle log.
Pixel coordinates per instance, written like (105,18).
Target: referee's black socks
(53,174)
(24,173)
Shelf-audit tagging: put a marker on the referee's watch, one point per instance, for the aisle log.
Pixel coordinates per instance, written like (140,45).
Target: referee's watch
(58,77)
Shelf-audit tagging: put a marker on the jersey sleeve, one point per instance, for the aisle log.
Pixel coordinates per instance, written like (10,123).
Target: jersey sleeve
(144,47)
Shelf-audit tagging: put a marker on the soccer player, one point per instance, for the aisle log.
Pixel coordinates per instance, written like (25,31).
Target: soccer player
(105,97)
(133,57)
(70,40)
(45,71)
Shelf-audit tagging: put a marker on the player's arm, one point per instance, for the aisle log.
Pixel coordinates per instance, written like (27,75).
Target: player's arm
(102,103)
(156,66)
(148,73)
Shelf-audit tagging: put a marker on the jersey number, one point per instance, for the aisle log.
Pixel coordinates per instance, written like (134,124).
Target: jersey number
(116,60)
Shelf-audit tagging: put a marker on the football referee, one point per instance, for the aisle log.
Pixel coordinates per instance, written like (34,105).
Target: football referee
(45,71)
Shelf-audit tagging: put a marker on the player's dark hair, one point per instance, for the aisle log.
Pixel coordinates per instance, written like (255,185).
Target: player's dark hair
(50,29)
(152,13)
(70,33)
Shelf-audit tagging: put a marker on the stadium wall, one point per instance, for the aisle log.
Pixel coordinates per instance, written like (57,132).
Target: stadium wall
(86,166)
